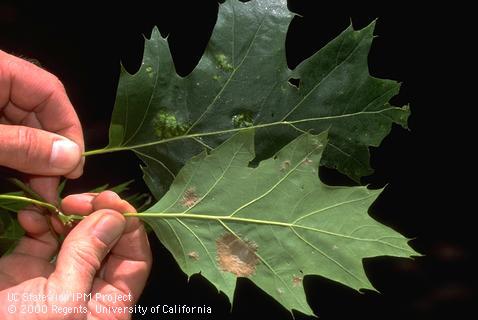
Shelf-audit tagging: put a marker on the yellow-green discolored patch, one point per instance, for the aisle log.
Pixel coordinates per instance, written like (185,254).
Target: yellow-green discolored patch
(166,125)
(150,72)
(243,119)
(223,62)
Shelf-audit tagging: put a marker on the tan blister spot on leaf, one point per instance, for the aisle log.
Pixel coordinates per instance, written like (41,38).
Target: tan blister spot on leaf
(307,161)
(190,198)
(296,281)
(193,255)
(236,255)
(285,165)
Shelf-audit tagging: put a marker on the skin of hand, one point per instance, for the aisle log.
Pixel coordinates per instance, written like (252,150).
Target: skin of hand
(106,255)
(40,133)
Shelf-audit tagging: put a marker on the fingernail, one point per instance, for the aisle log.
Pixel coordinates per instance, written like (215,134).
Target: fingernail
(108,228)
(65,154)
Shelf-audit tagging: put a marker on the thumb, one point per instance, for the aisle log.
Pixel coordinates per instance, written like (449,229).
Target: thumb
(84,249)
(36,151)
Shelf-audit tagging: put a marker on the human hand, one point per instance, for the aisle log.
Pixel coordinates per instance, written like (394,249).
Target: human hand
(105,255)
(40,133)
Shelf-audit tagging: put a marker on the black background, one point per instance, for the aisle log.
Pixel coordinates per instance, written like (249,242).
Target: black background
(425,49)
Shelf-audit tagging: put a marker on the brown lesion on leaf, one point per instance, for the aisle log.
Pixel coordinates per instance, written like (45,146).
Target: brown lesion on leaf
(297,281)
(190,198)
(285,165)
(193,255)
(236,255)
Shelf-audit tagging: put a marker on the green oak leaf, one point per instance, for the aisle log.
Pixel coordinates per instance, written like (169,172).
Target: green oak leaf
(138,200)
(241,81)
(118,189)
(10,230)
(274,223)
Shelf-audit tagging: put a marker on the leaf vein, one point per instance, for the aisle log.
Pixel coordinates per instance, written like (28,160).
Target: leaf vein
(328,257)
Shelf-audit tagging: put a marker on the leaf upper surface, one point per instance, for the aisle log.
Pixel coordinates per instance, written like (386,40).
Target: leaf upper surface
(242,81)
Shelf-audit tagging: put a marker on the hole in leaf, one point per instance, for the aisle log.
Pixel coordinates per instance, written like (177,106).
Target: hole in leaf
(294,82)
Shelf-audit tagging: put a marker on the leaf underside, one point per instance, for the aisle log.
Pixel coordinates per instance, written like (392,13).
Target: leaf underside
(242,80)
(273,223)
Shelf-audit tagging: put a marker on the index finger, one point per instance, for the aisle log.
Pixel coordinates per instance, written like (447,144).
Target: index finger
(32,90)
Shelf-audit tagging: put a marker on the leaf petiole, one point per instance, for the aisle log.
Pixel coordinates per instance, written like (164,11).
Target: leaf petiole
(35,202)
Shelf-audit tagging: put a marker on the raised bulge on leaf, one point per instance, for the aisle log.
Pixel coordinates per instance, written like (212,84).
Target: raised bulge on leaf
(242,80)
(273,223)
